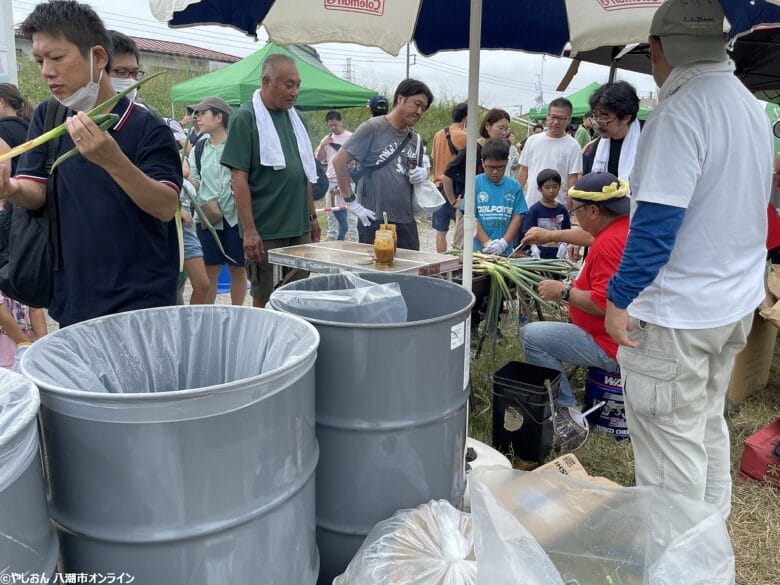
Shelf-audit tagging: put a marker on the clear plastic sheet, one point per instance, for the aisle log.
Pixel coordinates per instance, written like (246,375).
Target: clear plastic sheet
(343,298)
(428,545)
(18,433)
(545,528)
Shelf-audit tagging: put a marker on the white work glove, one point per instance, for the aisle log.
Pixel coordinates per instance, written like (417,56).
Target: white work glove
(418,175)
(562,251)
(536,252)
(20,349)
(366,216)
(495,246)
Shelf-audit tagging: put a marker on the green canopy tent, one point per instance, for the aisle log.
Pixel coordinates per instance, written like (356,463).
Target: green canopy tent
(579,101)
(320,89)
(773,113)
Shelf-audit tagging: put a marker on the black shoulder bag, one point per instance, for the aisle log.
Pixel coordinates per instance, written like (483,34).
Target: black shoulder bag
(29,239)
(453,150)
(361,172)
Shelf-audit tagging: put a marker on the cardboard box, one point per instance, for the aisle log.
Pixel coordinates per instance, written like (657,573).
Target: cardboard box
(751,368)
(569,465)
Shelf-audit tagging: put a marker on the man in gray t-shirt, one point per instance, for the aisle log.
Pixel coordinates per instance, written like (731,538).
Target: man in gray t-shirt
(388,189)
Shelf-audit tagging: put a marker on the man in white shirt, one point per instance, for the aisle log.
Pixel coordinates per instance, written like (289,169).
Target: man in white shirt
(341,224)
(554,149)
(692,273)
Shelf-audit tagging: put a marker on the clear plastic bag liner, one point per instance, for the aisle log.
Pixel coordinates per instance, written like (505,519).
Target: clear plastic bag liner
(535,528)
(343,298)
(18,431)
(166,364)
(428,545)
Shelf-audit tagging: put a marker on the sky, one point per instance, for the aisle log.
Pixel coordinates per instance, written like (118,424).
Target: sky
(508,79)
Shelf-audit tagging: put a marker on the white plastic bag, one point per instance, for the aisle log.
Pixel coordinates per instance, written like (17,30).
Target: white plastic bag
(429,545)
(545,528)
(427,198)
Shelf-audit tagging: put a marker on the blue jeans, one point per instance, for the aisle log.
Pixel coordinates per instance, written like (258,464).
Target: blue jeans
(548,344)
(341,217)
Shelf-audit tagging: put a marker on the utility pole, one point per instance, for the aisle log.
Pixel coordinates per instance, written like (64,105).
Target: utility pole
(410,59)
(348,69)
(540,87)
(8,71)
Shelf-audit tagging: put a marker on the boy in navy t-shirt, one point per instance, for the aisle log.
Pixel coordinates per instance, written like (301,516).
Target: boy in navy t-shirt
(548,214)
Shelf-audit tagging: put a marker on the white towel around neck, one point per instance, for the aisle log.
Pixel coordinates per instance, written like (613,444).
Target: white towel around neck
(627,153)
(271,154)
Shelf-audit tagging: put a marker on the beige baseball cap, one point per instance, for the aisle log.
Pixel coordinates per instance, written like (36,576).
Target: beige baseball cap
(691,31)
(214,103)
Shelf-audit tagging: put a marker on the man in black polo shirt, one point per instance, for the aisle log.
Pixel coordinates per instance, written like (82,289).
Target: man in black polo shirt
(117,198)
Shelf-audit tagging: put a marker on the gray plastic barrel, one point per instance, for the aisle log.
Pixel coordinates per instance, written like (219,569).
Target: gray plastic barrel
(28,543)
(179,444)
(391,411)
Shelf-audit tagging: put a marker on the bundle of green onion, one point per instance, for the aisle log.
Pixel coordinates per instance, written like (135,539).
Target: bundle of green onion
(523,274)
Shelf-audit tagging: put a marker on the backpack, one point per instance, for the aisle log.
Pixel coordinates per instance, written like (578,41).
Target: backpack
(199,146)
(29,239)
(459,180)
(321,187)
(14,131)
(447,135)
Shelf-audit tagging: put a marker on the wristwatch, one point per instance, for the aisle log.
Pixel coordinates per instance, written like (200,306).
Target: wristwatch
(349,199)
(566,292)
(312,217)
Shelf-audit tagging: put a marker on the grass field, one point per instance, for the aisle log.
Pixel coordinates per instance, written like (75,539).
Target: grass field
(754,524)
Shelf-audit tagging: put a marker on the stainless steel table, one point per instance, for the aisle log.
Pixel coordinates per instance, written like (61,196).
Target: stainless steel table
(343,256)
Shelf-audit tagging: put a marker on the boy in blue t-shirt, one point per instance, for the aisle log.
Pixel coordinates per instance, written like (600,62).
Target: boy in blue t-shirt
(499,203)
(548,214)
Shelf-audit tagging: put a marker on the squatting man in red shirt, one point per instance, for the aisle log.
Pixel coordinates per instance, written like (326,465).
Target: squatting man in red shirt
(601,206)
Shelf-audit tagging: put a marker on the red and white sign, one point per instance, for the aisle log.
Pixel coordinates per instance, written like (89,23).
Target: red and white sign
(376,7)
(623,4)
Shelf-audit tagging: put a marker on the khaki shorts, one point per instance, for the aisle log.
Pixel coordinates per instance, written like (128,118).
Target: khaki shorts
(261,274)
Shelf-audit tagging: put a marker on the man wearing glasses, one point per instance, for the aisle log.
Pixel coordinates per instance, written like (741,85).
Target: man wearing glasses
(601,206)
(125,63)
(615,106)
(554,149)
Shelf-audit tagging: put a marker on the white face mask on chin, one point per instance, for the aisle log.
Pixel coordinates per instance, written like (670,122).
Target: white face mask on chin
(122,84)
(84,98)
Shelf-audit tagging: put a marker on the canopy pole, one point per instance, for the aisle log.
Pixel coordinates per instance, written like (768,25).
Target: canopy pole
(469,222)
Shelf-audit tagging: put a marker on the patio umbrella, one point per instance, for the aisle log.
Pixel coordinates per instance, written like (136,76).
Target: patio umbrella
(435,25)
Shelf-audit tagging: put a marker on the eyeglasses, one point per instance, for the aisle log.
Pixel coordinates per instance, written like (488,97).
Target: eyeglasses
(561,119)
(494,168)
(123,73)
(602,121)
(574,211)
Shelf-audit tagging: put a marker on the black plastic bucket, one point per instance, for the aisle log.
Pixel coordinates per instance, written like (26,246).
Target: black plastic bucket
(522,410)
